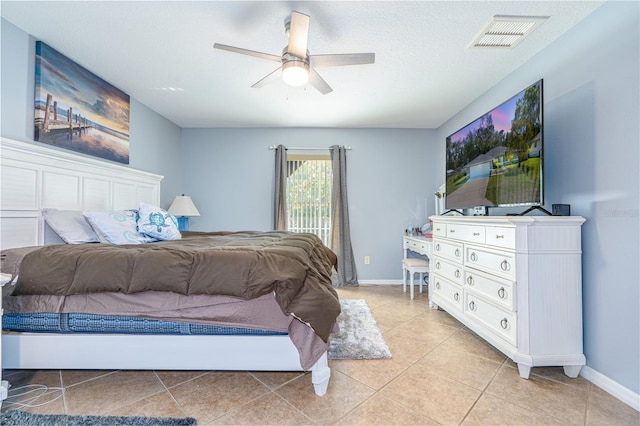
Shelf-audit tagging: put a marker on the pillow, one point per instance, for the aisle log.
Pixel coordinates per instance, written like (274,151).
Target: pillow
(158,223)
(70,226)
(117,227)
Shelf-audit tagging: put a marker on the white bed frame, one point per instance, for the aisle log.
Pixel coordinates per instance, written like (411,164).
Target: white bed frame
(35,176)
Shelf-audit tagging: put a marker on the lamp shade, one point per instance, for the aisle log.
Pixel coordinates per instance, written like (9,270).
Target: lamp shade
(183,206)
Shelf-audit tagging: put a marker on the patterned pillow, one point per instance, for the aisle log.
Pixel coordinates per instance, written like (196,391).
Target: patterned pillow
(117,227)
(158,223)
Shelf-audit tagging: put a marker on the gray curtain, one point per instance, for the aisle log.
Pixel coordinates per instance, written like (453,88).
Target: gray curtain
(340,232)
(280,196)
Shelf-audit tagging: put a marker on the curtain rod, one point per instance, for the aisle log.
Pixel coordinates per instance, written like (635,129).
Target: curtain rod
(272,147)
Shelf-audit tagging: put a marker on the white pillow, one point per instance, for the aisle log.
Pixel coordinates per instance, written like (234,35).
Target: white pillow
(70,225)
(158,223)
(117,227)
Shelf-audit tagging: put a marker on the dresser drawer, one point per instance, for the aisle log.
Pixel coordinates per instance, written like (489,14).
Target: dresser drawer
(449,249)
(448,270)
(500,263)
(439,230)
(467,233)
(500,291)
(501,237)
(447,293)
(499,321)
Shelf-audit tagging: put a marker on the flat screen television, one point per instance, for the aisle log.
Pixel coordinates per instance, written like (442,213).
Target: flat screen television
(496,161)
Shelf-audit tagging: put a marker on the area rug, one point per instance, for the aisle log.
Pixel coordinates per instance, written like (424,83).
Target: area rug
(22,418)
(359,336)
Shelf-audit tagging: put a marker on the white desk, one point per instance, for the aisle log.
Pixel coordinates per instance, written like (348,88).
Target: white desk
(423,246)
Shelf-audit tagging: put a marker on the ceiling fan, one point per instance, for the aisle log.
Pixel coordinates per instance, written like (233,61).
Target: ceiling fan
(297,65)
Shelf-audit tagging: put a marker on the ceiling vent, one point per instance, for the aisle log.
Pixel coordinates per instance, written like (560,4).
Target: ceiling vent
(506,31)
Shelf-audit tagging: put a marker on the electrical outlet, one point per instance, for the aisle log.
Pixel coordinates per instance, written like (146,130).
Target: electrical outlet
(367,260)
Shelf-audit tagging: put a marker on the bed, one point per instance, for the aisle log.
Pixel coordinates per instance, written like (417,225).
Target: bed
(297,302)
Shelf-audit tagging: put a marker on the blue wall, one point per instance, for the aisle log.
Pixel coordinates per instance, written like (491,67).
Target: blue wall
(391,182)
(154,141)
(591,152)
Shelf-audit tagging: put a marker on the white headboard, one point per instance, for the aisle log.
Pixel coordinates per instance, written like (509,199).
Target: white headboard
(34,176)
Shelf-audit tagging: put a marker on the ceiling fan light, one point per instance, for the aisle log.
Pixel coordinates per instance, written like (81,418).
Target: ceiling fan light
(295,73)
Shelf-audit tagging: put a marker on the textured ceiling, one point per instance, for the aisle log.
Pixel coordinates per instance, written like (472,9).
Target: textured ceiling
(424,73)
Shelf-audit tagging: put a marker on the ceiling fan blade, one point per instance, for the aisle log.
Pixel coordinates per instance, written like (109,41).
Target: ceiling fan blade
(267,56)
(319,61)
(298,34)
(318,82)
(271,77)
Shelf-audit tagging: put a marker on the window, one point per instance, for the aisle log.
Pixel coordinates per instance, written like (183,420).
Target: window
(309,195)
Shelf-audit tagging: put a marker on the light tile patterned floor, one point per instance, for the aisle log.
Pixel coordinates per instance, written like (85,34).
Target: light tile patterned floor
(440,373)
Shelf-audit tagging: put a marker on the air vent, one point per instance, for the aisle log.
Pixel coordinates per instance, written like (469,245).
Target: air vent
(506,31)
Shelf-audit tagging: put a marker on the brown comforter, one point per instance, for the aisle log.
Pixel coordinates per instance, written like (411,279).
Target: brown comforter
(296,267)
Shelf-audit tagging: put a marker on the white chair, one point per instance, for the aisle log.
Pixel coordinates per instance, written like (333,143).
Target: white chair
(413,266)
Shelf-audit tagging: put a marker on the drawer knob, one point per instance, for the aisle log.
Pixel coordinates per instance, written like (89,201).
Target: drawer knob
(457,253)
(437,265)
(476,234)
(472,306)
(504,323)
(501,293)
(505,266)
(456,297)
(470,280)
(474,257)
(457,273)
(452,231)
(438,285)
(437,247)
(499,236)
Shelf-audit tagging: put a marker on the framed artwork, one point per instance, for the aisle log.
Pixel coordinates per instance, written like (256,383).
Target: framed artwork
(77,110)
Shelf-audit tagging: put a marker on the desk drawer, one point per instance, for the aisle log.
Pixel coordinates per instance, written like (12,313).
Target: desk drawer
(449,270)
(501,236)
(500,263)
(499,291)
(449,249)
(468,233)
(447,293)
(499,321)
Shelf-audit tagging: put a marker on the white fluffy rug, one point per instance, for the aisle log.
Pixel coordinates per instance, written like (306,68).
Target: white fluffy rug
(359,336)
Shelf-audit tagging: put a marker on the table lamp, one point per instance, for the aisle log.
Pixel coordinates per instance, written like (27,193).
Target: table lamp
(182,207)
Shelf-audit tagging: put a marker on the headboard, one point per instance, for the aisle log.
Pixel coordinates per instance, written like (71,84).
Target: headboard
(34,177)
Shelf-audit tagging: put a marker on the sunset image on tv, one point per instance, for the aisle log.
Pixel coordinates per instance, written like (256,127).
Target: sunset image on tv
(497,159)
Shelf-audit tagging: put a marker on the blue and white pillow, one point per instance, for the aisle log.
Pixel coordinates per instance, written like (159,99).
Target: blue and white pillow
(117,227)
(158,223)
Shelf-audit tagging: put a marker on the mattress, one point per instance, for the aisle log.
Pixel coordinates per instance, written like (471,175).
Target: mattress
(50,322)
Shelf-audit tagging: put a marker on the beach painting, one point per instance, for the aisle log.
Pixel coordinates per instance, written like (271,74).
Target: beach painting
(77,110)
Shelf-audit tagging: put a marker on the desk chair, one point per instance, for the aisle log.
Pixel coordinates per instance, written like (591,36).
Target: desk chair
(413,266)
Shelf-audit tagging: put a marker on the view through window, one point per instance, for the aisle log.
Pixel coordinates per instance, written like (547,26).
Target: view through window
(309,195)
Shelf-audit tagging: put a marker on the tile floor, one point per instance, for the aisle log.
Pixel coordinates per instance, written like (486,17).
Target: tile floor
(440,373)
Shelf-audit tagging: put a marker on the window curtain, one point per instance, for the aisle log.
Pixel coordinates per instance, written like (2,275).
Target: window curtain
(280,200)
(340,232)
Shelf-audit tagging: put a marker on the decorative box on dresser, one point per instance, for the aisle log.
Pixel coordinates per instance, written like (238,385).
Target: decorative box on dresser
(516,281)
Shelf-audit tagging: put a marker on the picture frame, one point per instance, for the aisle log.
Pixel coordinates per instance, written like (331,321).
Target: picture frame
(77,110)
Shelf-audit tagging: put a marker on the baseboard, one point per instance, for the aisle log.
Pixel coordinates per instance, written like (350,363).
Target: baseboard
(380,282)
(612,387)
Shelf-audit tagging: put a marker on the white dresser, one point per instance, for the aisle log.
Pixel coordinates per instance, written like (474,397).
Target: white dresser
(516,281)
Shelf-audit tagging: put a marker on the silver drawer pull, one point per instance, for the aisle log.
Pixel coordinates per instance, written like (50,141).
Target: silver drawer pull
(437,265)
(452,231)
(476,234)
(470,280)
(457,253)
(456,297)
(504,323)
(438,285)
(474,256)
(499,236)
(505,266)
(457,273)
(472,306)
(501,293)
(437,247)
(438,229)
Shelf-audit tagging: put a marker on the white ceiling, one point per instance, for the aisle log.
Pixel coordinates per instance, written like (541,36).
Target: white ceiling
(424,73)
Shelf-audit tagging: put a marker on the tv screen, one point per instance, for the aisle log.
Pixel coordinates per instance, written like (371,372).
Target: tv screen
(496,161)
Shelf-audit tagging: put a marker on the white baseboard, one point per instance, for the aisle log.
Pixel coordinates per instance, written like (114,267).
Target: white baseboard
(612,387)
(380,282)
